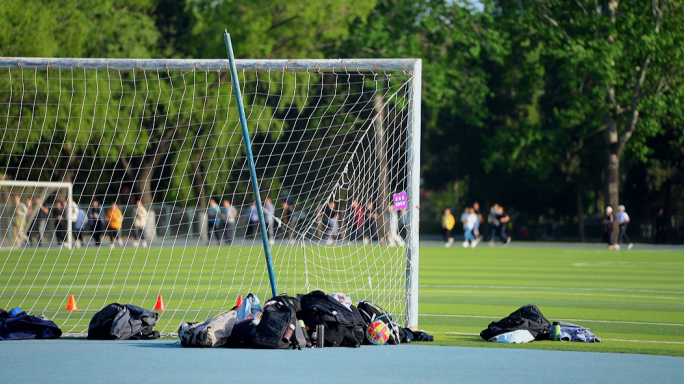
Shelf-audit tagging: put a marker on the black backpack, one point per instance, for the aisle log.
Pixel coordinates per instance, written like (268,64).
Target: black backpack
(527,317)
(342,327)
(123,322)
(278,318)
(371,312)
(242,334)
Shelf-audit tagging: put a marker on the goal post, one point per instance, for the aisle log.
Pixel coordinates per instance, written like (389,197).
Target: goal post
(333,141)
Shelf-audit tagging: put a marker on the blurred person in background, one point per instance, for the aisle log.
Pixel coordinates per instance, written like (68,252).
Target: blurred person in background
(494,223)
(393,238)
(228,215)
(73,218)
(114,219)
(269,215)
(448,223)
(680,227)
(469,218)
(371,224)
(39,222)
(60,222)
(19,221)
(608,222)
(356,217)
(97,222)
(139,224)
(252,220)
(661,227)
(623,220)
(27,224)
(476,230)
(213,222)
(403,224)
(503,219)
(81,219)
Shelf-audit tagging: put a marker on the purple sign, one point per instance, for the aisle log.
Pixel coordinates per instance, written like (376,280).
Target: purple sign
(400,201)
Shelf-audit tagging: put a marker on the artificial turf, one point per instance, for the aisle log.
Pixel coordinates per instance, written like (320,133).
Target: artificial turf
(633,300)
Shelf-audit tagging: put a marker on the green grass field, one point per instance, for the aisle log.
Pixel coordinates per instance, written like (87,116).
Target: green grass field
(633,300)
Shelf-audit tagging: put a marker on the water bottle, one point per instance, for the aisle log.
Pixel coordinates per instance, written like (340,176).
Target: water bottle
(556,331)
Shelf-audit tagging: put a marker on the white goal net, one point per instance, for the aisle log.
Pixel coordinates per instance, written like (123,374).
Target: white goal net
(163,204)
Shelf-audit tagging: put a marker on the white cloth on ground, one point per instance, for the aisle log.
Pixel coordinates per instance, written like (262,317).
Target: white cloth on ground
(515,337)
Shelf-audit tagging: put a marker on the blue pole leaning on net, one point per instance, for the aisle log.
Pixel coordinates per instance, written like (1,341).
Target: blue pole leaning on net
(250,162)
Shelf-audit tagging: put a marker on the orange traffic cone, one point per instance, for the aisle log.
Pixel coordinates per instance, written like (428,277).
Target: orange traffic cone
(71,305)
(238,303)
(160,304)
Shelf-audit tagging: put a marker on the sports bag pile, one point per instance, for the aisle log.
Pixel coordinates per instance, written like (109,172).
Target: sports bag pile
(123,322)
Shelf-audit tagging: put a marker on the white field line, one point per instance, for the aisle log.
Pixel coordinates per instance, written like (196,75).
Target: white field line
(578,320)
(629,341)
(552,288)
(509,292)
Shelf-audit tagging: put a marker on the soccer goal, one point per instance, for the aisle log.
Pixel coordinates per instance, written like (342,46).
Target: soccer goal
(153,153)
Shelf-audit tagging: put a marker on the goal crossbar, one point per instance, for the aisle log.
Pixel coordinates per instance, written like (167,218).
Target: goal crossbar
(329,65)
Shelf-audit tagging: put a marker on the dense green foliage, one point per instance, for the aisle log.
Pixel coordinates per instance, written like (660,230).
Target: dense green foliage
(538,105)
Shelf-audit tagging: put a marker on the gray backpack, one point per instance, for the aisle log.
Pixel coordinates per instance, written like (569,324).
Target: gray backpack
(208,334)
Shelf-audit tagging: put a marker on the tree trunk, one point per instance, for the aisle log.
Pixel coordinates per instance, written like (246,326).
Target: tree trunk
(612,166)
(198,182)
(580,211)
(143,182)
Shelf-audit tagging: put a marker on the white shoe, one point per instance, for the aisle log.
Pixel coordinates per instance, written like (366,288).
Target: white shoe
(120,243)
(111,245)
(617,246)
(78,244)
(144,244)
(474,244)
(135,243)
(465,244)
(630,246)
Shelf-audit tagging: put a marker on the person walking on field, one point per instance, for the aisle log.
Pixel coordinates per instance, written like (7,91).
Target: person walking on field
(19,221)
(393,238)
(252,221)
(73,219)
(623,220)
(114,219)
(503,219)
(448,223)
(469,218)
(40,222)
(228,215)
(476,230)
(494,224)
(213,221)
(269,216)
(608,222)
(60,223)
(139,224)
(97,221)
